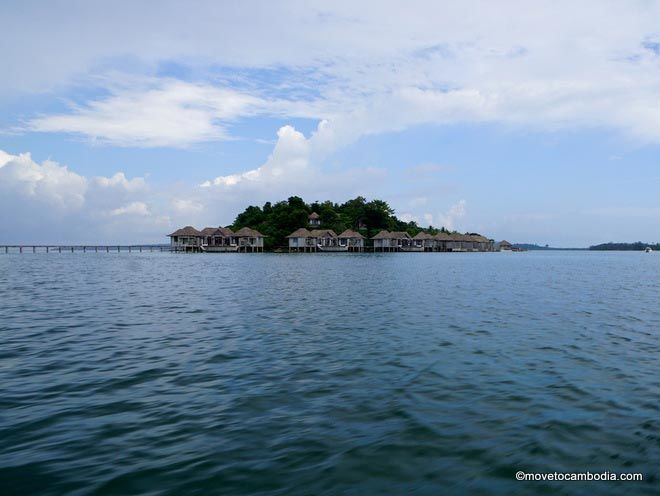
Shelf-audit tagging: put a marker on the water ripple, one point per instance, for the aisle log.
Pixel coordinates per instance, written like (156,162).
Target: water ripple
(154,373)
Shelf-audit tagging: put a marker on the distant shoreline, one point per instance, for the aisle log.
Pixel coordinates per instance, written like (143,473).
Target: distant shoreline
(636,246)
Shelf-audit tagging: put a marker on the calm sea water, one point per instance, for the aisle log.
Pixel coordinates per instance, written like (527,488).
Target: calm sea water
(328,374)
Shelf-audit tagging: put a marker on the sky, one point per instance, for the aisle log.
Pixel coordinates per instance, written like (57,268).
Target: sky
(528,121)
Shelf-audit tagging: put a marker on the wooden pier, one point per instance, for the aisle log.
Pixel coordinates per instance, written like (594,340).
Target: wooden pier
(83,248)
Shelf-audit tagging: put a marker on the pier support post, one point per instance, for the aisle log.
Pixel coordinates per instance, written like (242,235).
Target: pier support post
(59,249)
(34,249)
(20,249)
(72,249)
(47,249)
(84,249)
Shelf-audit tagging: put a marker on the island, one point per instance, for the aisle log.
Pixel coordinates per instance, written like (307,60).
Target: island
(296,226)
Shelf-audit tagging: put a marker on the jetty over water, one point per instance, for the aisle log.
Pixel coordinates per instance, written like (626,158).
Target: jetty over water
(83,248)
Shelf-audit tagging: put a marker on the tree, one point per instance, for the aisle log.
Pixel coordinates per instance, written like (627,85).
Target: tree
(276,221)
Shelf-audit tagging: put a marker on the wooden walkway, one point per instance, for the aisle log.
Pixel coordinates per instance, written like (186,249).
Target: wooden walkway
(81,248)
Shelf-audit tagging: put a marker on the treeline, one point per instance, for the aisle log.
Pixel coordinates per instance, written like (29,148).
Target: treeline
(532,247)
(638,246)
(278,220)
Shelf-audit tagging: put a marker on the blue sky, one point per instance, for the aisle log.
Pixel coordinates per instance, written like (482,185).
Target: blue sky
(121,121)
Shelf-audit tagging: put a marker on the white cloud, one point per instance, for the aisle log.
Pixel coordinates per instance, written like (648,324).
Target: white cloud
(290,159)
(170,113)
(347,63)
(120,181)
(47,202)
(134,208)
(50,184)
(186,206)
(408,217)
(450,219)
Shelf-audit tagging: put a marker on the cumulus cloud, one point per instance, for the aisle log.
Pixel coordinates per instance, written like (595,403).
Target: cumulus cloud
(50,184)
(47,202)
(134,208)
(290,158)
(60,205)
(295,167)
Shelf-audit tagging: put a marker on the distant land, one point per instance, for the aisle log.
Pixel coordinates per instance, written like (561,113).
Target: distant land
(637,246)
(531,247)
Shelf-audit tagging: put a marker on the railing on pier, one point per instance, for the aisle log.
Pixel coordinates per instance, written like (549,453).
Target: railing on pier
(83,248)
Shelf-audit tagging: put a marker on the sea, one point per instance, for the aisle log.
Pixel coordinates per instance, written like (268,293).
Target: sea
(329,374)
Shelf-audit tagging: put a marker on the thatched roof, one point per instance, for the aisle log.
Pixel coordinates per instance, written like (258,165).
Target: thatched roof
(314,216)
(423,235)
(479,238)
(300,233)
(246,232)
(186,231)
(223,231)
(384,234)
(208,231)
(348,233)
(504,243)
(321,233)
(443,236)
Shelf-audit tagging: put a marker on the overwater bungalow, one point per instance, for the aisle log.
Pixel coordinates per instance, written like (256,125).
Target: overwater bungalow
(455,243)
(216,239)
(392,241)
(301,240)
(249,240)
(353,240)
(314,219)
(315,240)
(186,239)
(326,240)
(382,241)
(467,243)
(442,241)
(481,243)
(403,239)
(222,239)
(423,241)
(504,245)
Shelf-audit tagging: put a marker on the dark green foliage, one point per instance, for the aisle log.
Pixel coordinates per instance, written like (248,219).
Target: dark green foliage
(276,221)
(532,247)
(638,246)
